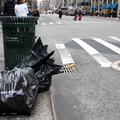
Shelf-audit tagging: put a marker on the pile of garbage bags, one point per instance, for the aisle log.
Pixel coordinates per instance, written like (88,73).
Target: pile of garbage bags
(20,86)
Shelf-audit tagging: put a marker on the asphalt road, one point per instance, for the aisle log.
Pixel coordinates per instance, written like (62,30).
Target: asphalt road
(91,89)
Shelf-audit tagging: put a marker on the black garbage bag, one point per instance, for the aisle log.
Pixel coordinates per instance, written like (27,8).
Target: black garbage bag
(45,74)
(37,45)
(18,91)
(19,87)
(44,67)
(35,55)
(42,61)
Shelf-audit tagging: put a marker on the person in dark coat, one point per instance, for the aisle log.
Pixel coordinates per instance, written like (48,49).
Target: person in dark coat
(8,9)
(60,13)
(79,15)
(75,15)
(36,14)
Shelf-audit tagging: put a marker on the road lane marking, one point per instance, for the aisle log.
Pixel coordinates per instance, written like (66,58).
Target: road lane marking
(64,54)
(79,22)
(82,22)
(43,23)
(51,23)
(109,45)
(66,22)
(94,53)
(58,22)
(114,38)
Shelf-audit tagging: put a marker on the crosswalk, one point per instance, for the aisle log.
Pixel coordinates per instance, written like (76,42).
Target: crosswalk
(66,57)
(71,22)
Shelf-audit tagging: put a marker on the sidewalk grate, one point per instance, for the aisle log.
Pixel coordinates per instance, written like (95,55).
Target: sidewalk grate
(69,68)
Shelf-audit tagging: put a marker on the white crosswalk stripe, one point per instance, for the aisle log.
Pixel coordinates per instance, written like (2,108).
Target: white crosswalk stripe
(114,38)
(66,22)
(43,23)
(94,53)
(79,22)
(64,53)
(66,57)
(58,22)
(83,22)
(76,22)
(51,23)
(109,45)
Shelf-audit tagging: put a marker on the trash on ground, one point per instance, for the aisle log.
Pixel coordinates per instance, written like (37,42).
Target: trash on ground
(20,86)
(18,91)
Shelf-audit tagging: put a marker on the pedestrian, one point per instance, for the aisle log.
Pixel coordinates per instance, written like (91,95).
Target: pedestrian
(52,12)
(60,13)
(75,15)
(21,9)
(30,12)
(8,9)
(79,15)
(36,14)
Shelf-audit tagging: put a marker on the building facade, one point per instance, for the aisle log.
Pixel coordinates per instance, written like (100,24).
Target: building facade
(106,8)
(102,7)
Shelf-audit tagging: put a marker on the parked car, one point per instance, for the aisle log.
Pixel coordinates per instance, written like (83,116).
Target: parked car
(64,10)
(49,11)
(71,11)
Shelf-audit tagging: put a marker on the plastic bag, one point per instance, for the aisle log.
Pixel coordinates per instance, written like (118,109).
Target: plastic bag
(36,57)
(18,91)
(19,87)
(45,74)
(39,60)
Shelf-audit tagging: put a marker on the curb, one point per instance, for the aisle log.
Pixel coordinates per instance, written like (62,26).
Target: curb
(53,106)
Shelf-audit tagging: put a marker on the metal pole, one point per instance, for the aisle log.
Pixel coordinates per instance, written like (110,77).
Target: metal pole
(98,8)
(63,3)
(84,6)
(76,4)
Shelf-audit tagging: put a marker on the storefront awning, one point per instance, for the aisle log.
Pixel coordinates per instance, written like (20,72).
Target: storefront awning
(114,6)
(91,6)
(95,7)
(103,6)
(108,6)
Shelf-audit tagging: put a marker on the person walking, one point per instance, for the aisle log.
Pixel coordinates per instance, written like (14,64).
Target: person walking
(8,9)
(36,14)
(21,9)
(79,15)
(60,13)
(75,15)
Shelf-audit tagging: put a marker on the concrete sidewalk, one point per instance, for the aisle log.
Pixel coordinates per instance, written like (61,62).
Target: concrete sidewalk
(42,109)
(108,18)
